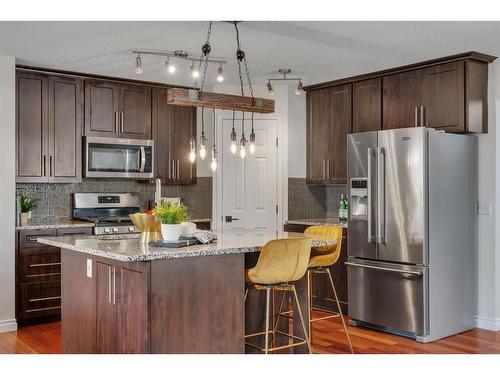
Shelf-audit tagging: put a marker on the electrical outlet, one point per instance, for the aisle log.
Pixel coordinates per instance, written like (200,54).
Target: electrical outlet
(89,268)
(484,208)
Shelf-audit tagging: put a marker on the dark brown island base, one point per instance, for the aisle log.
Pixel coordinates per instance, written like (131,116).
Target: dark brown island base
(120,296)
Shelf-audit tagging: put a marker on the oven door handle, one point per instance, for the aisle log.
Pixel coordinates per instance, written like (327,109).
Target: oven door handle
(143,159)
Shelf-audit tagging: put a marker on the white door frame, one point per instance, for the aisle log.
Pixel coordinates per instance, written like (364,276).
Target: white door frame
(281,168)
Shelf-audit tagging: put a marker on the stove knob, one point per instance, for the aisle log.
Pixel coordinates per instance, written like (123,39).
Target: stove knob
(107,230)
(131,229)
(115,229)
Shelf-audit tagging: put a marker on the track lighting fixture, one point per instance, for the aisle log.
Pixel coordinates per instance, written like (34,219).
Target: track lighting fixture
(298,90)
(169,67)
(195,73)
(270,90)
(220,74)
(138,64)
(285,72)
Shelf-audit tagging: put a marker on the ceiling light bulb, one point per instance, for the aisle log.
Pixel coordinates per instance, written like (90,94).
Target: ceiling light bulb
(252,148)
(138,64)
(298,90)
(194,71)
(270,90)
(233,148)
(169,67)
(192,150)
(220,74)
(213,164)
(243,152)
(203,152)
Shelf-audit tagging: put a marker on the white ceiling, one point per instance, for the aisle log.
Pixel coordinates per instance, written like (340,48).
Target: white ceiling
(317,51)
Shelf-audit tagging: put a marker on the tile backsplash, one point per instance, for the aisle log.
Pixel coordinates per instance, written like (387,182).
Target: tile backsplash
(311,202)
(55,199)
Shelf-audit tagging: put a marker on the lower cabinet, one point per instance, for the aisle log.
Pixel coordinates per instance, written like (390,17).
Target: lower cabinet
(117,294)
(38,274)
(322,294)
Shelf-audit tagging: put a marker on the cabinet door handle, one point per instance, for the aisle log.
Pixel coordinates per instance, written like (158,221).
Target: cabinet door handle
(44,165)
(328,169)
(114,286)
(178,169)
(109,284)
(324,169)
(173,169)
(416,116)
(422,115)
(121,121)
(50,166)
(116,122)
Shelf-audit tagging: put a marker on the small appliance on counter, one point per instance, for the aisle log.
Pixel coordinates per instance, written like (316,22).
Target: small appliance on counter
(109,211)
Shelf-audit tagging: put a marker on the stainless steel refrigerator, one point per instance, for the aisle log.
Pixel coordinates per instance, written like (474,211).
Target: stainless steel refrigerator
(411,247)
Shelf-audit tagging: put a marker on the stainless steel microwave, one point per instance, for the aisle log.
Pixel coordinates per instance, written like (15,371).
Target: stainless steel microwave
(118,158)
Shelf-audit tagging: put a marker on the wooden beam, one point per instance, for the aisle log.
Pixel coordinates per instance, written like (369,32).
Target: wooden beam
(195,98)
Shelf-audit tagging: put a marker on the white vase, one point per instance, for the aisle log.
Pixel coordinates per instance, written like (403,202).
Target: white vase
(171,232)
(24,218)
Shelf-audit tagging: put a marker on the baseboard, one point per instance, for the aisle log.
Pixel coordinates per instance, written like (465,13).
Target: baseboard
(8,325)
(489,324)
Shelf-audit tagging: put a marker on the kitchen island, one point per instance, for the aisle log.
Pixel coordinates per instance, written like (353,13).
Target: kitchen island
(121,296)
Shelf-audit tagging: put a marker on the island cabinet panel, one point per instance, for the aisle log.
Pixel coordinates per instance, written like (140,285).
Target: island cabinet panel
(329,119)
(367,105)
(173,128)
(106,309)
(197,305)
(401,100)
(49,118)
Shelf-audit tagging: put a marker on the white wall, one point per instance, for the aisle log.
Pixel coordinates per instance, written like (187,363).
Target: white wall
(296,134)
(7,193)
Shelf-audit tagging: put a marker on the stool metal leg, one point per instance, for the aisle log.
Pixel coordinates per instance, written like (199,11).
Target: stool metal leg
(340,310)
(306,335)
(309,295)
(246,294)
(268,300)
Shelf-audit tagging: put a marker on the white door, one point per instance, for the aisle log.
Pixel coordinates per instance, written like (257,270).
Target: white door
(249,185)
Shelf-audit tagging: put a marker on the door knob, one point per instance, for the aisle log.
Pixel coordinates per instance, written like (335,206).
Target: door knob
(230,219)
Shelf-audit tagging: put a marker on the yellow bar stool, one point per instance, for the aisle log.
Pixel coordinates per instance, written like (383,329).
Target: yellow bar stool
(280,263)
(321,259)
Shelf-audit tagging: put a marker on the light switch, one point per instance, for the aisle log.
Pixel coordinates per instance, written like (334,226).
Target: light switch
(484,208)
(89,268)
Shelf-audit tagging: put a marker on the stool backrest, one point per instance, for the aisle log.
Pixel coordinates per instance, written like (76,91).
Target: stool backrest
(327,255)
(283,260)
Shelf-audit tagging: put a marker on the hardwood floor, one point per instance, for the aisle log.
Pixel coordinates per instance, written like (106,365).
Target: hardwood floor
(328,338)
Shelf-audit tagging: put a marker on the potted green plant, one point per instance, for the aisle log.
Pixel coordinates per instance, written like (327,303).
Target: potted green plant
(27,205)
(171,216)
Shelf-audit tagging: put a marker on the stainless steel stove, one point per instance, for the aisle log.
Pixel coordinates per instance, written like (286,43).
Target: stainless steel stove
(109,211)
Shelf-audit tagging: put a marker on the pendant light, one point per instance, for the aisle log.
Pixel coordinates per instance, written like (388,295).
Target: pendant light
(138,64)
(233,139)
(213,164)
(252,139)
(220,74)
(243,140)
(192,150)
(203,140)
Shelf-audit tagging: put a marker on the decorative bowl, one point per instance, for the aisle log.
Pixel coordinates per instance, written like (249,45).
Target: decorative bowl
(149,225)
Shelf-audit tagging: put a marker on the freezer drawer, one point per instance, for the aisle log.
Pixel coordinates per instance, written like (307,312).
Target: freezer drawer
(388,295)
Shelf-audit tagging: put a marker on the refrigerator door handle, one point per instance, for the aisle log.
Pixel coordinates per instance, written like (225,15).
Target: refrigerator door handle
(369,198)
(380,195)
(385,269)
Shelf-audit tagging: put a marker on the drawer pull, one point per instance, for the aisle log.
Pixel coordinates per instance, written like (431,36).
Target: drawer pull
(45,274)
(32,239)
(44,299)
(43,309)
(45,264)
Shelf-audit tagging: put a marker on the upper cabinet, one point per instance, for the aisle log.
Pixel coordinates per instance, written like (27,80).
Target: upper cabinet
(328,123)
(117,110)
(367,105)
(173,128)
(49,115)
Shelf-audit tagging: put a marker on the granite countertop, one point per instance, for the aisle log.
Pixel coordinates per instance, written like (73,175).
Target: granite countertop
(318,221)
(131,250)
(54,223)
(200,220)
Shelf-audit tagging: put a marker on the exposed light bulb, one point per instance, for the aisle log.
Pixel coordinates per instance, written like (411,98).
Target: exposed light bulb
(270,90)
(192,150)
(194,71)
(243,152)
(169,67)
(233,148)
(298,90)
(138,64)
(220,74)
(252,148)
(252,139)
(213,164)
(203,152)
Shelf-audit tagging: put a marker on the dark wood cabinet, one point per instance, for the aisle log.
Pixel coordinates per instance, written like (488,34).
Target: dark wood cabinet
(115,110)
(322,295)
(367,105)
(49,128)
(38,274)
(173,128)
(401,100)
(328,123)
(106,308)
